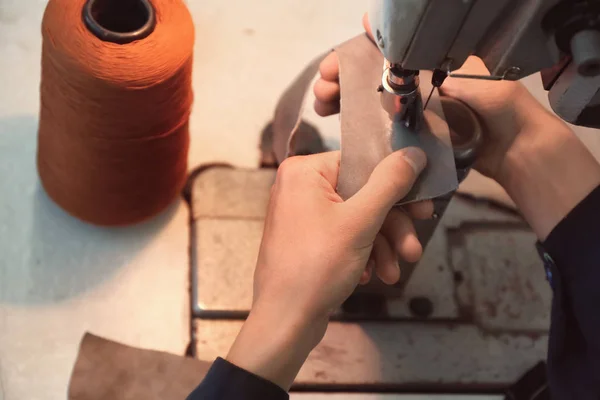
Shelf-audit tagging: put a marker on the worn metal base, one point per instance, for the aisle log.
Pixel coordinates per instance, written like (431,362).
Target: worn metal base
(474,314)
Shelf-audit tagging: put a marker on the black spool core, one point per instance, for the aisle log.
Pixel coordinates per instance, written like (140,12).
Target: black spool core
(119,21)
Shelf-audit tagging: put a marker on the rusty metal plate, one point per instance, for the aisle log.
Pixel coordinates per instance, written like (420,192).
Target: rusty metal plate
(400,355)
(506,292)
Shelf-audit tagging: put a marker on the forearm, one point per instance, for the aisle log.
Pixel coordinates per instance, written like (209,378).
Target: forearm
(265,358)
(274,345)
(547,172)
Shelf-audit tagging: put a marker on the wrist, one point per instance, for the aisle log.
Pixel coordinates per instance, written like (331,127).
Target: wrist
(275,346)
(532,145)
(547,172)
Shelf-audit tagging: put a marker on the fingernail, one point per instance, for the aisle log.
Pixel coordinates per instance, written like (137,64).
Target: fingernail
(416,158)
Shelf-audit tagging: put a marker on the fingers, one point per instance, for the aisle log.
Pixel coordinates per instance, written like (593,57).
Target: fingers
(326,109)
(327,95)
(327,89)
(330,67)
(391,180)
(400,233)
(368,272)
(386,262)
(420,210)
(397,239)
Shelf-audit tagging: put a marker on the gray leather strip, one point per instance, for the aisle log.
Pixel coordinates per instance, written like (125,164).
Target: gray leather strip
(288,113)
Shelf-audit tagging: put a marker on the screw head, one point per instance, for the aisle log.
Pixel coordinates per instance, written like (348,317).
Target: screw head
(421,307)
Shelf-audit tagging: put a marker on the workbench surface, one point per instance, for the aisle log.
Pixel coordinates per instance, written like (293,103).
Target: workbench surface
(60,277)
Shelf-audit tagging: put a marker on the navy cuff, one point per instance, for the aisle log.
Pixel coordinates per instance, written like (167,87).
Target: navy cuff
(574,239)
(225,380)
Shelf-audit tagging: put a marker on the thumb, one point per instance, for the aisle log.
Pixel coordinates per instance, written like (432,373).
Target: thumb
(389,182)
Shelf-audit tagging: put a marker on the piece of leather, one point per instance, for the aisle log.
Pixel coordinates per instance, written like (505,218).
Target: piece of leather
(288,113)
(369,133)
(106,370)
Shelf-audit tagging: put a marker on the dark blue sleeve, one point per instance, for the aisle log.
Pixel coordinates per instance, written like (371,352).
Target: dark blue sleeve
(227,381)
(572,262)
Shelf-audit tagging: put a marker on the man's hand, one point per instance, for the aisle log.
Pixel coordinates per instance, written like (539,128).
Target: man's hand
(316,249)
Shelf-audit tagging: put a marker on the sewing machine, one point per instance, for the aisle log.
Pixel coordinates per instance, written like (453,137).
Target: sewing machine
(514,38)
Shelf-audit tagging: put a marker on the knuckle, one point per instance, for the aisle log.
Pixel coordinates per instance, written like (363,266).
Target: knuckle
(289,170)
(321,109)
(328,68)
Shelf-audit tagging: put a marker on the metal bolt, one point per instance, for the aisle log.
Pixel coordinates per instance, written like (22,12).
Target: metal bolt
(380,41)
(512,73)
(421,307)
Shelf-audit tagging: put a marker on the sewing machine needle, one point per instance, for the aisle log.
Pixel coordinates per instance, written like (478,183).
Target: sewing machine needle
(429,98)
